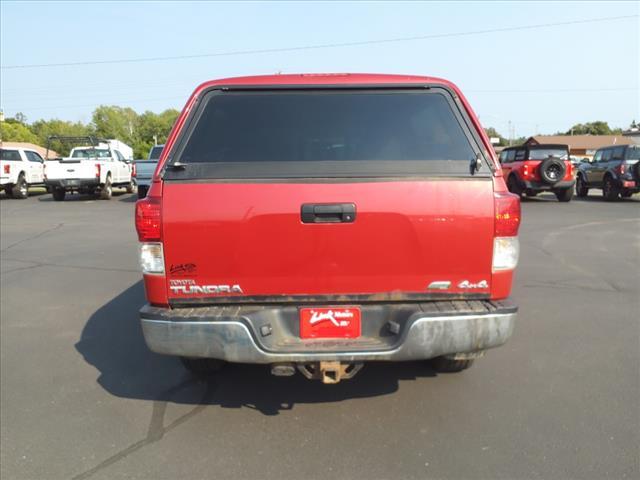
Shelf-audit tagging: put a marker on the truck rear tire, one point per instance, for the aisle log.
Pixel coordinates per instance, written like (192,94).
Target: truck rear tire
(581,187)
(564,195)
(107,190)
(131,187)
(21,188)
(58,194)
(449,365)
(142,191)
(610,190)
(514,186)
(202,366)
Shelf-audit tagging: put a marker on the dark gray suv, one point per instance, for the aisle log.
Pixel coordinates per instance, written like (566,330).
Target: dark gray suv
(614,169)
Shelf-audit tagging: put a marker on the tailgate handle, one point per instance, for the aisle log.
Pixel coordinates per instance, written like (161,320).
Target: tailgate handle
(328,212)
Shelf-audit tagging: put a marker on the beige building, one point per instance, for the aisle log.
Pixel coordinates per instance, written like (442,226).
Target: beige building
(582,145)
(41,150)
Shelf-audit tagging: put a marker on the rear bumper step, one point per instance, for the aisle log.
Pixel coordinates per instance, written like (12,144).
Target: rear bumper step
(270,334)
(536,185)
(72,183)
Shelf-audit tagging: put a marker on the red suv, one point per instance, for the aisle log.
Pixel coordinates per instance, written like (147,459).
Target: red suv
(531,169)
(316,222)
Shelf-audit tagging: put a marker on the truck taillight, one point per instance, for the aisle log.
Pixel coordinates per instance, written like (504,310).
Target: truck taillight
(525,171)
(507,208)
(148,219)
(134,170)
(7,168)
(506,248)
(97,170)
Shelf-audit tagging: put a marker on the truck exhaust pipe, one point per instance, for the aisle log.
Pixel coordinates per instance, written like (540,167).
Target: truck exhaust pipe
(282,369)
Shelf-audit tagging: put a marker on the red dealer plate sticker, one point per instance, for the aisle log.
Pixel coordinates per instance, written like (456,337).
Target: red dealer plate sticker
(330,322)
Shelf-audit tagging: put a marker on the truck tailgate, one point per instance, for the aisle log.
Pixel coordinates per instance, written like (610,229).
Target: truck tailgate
(413,238)
(56,170)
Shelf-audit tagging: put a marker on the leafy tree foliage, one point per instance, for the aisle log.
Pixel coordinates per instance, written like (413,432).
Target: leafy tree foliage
(492,132)
(44,128)
(13,131)
(140,131)
(593,128)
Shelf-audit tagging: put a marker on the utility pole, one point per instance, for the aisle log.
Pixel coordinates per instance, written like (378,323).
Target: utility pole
(510,133)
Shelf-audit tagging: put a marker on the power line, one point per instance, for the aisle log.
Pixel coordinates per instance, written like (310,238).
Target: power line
(560,90)
(468,92)
(108,102)
(321,46)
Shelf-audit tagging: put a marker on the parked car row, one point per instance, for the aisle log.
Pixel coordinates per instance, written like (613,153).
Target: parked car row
(528,170)
(92,169)
(95,167)
(531,169)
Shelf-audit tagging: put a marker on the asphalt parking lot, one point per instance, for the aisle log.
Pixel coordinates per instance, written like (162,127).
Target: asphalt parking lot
(82,397)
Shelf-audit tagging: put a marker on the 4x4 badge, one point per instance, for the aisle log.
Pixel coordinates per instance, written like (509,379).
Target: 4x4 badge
(468,284)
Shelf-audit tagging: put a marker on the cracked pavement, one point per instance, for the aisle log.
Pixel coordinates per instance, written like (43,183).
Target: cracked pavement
(81,397)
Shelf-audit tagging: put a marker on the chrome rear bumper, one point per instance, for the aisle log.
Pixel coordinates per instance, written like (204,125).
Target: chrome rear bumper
(236,334)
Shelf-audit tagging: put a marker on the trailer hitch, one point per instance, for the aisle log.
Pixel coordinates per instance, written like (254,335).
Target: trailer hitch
(329,372)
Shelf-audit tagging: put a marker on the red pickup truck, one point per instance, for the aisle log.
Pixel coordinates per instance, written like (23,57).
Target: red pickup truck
(317,222)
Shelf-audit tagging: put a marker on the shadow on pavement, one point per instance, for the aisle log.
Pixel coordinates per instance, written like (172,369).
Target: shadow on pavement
(550,198)
(112,342)
(33,192)
(129,198)
(79,197)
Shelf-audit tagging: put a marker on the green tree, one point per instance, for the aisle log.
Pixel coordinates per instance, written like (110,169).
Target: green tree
(16,132)
(138,131)
(492,132)
(45,128)
(108,121)
(152,127)
(590,128)
(21,118)
(115,122)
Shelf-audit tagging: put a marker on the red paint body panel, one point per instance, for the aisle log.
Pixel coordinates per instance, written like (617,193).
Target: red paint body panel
(407,234)
(155,288)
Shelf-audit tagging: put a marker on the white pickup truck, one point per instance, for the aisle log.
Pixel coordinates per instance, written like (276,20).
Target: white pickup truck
(20,168)
(93,169)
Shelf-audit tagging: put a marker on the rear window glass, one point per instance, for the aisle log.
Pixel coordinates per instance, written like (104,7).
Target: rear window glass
(541,154)
(618,153)
(155,152)
(91,153)
(633,153)
(359,128)
(10,155)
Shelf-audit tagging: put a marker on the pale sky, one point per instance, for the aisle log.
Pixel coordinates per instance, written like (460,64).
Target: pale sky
(541,79)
